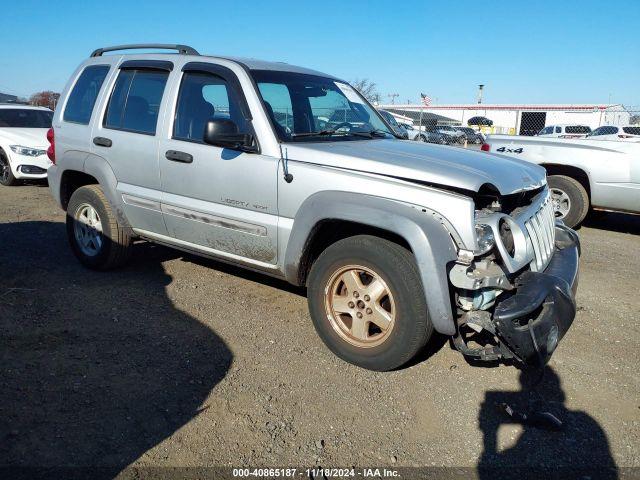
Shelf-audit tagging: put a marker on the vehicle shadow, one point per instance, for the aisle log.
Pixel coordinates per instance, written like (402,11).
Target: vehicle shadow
(97,367)
(579,449)
(615,222)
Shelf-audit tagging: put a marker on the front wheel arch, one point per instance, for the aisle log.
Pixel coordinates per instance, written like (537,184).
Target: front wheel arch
(423,231)
(569,171)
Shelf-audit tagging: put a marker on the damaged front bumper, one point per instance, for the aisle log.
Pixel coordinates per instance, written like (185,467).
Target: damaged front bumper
(529,320)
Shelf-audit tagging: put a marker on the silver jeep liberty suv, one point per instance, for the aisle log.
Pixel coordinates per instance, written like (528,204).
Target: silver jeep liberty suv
(292,173)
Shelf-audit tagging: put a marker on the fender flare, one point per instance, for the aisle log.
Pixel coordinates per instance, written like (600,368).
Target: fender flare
(99,168)
(423,229)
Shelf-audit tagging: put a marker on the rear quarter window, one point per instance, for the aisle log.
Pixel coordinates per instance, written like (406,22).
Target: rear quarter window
(135,102)
(631,130)
(83,96)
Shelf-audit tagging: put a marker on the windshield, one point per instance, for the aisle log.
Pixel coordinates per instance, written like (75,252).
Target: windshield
(25,118)
(309,107)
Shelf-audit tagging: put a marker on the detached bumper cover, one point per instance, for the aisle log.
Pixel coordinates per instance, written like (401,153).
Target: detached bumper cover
(533,319)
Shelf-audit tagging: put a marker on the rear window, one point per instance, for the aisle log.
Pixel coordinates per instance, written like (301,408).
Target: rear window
(84,94)
(135,101)
(24,118)
(631,130)
(582,129)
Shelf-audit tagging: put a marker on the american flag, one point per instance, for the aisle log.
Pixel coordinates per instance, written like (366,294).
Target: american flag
(426,100)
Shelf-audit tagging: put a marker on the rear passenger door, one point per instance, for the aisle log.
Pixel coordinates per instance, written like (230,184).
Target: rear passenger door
(127,138)
(222,200)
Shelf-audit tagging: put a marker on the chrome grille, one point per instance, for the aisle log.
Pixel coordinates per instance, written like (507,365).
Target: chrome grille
(542,234)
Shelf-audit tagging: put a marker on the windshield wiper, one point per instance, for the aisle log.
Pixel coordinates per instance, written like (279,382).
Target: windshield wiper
(371,133)
(321,133)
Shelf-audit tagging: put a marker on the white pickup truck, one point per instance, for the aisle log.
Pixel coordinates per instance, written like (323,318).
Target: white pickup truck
(582,174)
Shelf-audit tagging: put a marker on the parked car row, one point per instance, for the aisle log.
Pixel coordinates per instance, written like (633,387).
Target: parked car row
(623,133)
(440,134)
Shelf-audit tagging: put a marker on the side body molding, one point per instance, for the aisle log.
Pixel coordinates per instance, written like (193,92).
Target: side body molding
(423,229)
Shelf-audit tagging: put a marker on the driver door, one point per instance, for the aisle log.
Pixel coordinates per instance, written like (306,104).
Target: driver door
(220,200)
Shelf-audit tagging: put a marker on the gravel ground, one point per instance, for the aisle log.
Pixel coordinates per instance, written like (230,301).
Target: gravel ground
(179,361)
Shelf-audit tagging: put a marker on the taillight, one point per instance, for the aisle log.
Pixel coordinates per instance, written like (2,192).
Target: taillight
(51,151)
(485,147)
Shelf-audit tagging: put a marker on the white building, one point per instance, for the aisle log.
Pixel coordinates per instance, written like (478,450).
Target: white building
(521,119)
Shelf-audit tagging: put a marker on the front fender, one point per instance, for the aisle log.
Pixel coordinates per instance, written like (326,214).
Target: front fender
(423,229)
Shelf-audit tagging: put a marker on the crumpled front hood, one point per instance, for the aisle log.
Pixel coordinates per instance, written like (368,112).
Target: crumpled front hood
(27,137)
(434,164)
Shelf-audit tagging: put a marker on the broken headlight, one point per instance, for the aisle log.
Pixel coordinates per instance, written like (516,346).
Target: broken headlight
(485,239)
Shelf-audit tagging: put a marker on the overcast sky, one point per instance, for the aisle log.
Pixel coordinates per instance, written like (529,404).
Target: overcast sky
(524,51)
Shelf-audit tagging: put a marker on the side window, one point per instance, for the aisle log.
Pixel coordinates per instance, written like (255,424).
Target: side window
(203,97)
(596,132)
(277,99)
(558,129)
(84,94)
(135,101)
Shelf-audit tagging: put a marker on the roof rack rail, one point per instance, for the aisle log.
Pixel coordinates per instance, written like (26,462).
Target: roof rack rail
(182,49)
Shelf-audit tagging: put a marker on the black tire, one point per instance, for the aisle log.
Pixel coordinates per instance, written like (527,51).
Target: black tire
(116,240)
(421,138)
(579,199)
(6,175)
(396,266)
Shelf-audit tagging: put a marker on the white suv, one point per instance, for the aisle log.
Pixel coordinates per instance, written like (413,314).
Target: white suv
(23,142)
(626,133)
(565,131)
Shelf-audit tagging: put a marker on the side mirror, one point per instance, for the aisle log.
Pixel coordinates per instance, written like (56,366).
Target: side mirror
(224,133)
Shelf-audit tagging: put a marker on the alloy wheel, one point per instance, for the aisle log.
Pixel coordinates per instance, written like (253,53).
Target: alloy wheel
(87,229)
(360,306)
(5,169)
(561,202)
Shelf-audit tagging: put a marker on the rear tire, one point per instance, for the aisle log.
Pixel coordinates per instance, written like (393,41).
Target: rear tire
(571,201)
(96,238)
(367,302)
(6,175)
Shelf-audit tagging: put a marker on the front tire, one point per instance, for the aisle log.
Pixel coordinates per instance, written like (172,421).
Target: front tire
(367,302)
(570,199)
(96,238)
(6,175)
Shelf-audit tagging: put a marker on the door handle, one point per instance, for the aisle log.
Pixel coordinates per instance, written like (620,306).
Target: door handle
(102,141)
(176,156)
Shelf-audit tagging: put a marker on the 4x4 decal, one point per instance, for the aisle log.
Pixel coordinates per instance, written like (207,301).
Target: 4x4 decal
(509,150)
